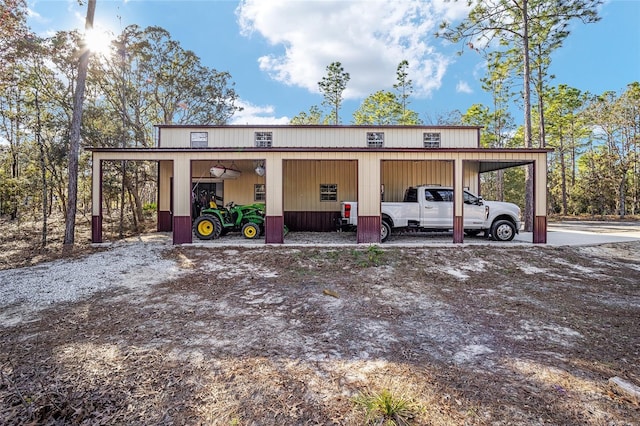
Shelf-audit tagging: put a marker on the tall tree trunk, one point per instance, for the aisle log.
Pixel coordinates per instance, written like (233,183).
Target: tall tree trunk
(563,177)
(58,189)
(43,171)
(634,206)
(134,216)
(135,190)
(634,199)
(542,142)
(123,135)
(122,199)
(528,198)
(74,136)
(15,152)
(623,189)
(573,155)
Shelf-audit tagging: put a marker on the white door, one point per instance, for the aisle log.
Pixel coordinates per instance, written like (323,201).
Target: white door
(474,211)
(438,209)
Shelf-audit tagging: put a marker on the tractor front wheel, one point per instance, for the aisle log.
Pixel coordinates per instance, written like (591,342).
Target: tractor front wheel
(207,227)
(250,230)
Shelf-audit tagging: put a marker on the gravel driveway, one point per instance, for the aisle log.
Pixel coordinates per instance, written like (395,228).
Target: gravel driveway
(143,332)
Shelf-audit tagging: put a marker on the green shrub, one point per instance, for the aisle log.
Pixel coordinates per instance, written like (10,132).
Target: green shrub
(150,207)
(384,408)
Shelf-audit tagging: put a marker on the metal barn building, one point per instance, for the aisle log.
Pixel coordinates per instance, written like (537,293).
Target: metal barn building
(302,173)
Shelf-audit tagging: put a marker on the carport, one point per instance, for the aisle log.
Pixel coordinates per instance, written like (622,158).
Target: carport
(175,183)
(308,170)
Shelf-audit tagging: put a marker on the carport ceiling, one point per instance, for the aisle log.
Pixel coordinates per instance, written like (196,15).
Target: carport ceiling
(490,166)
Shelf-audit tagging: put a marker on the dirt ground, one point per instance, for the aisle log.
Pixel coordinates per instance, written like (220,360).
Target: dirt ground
(474,335)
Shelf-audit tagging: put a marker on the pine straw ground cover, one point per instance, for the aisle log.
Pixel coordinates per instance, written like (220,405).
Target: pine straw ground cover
(477,335)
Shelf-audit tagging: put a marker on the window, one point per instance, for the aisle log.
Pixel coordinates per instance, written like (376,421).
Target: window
(469,198)
(431,140)
(375,139)
(199,139)
(264,139)
(411,195)
(328,192)
(445,195)
(438,195)
(259,193)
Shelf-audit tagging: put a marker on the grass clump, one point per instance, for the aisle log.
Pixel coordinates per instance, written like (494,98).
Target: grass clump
(372,256)
(386,409)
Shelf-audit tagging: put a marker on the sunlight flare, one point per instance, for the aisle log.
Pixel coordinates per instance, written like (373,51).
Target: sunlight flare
(98,41)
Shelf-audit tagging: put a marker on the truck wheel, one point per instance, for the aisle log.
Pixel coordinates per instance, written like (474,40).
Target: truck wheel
(250,230)
(503,230)
(207,227)
(385,231)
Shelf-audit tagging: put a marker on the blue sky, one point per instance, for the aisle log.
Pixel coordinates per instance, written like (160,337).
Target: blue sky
(277,50)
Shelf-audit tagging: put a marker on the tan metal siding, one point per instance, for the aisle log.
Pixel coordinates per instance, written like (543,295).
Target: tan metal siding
(241,190)
(540,186)
(399,175)
(96,183)
(182,204)
(274,186)
(302,180)
(369,178)
(459,138)
(319,137)
(471,176)
(166,172)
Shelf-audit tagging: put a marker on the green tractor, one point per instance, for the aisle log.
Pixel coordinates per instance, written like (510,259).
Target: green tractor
(214,222)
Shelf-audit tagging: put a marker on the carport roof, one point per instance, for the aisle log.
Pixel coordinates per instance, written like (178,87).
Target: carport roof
(490,166)
(331,149)
(489,159)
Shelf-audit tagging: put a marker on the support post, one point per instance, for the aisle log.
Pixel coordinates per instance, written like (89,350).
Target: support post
(540,200)
(96,200)
(274,220)
(369,220)
(182,233)
(165,171)
(458,201)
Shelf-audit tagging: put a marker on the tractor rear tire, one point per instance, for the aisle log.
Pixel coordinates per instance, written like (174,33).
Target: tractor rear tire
(207,227)
(250,230)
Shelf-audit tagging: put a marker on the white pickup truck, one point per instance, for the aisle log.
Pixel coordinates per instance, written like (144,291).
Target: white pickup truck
(430,208)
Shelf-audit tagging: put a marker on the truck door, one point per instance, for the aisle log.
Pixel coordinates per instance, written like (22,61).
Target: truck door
(474,211)
(411,206)
(437,210)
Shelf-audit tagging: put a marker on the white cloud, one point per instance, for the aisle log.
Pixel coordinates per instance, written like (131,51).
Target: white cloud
(35,16)
(254,114)
(369,38)
(463,87)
